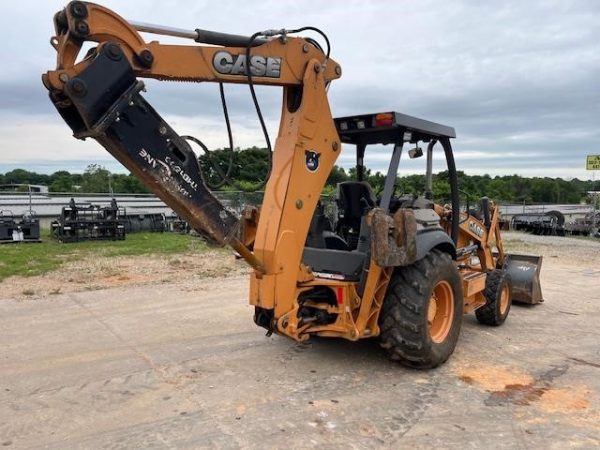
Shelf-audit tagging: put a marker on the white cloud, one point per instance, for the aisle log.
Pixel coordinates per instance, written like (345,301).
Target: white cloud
(517,80)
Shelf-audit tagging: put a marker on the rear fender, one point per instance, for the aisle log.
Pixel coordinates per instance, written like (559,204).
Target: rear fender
(434,239)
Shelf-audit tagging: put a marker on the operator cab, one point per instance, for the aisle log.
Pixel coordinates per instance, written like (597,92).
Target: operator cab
(390,128)
(341,250)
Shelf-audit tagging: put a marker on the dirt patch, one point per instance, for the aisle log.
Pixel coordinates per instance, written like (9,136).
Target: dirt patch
(507,386)
(103,272)
(491,377)
(565,400)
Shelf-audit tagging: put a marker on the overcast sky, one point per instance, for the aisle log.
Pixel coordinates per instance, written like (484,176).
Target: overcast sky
(520,81)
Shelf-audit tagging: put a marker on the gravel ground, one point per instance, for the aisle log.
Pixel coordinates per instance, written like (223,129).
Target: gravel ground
(90,274)
(571,251)
(585,244)
(177,363)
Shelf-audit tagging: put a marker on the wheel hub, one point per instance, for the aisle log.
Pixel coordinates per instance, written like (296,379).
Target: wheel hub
(504,299)
(440,311)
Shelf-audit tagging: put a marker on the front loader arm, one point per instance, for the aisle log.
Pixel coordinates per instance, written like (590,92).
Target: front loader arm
(99,97)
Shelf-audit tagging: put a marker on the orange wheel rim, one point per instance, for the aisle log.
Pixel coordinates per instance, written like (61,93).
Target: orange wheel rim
(440,311)
(504,299)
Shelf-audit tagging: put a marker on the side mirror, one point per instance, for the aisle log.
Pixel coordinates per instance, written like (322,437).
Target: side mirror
(416,152)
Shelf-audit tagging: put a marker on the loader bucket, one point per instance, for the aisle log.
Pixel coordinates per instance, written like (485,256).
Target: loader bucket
(524,271)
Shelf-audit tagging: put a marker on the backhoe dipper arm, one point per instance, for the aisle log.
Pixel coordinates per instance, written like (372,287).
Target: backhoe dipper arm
(99,97)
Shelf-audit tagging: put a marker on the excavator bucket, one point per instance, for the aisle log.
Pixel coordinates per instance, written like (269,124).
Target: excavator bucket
(524,271)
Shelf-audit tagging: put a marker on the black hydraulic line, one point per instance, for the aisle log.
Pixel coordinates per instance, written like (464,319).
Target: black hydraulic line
(226,114)
(214,165)
(315,43)
(258,110)
(224,176)
(251,43)
(485,210)
(226,39)
(215,38)
(316,30)
(468,207)
(453,188)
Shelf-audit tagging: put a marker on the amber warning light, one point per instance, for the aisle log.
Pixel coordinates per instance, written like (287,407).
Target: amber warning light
(384,120)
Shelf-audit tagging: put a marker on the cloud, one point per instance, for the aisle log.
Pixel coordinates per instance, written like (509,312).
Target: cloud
(518,80)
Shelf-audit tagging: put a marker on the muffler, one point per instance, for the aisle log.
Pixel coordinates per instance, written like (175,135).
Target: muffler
(524,271)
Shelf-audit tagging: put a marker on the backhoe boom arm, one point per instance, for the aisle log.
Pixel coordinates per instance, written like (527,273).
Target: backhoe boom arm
(99,97)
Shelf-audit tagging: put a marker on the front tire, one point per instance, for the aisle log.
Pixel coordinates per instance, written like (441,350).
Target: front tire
(498,296)
(422,312)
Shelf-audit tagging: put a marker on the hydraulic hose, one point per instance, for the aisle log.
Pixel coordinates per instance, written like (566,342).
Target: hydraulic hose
(453,178)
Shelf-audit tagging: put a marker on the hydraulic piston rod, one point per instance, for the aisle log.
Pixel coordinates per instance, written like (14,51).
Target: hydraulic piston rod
(144,27)
(198,35)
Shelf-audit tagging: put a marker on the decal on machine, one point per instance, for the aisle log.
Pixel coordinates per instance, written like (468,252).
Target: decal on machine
(167,172)
(177,169)
(260,66)
(475,228)
(312,160)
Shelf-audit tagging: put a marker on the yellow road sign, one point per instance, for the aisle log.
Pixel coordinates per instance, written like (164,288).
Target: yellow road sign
(593,162)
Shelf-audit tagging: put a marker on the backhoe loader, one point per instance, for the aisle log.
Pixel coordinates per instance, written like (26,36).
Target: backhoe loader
(397,267)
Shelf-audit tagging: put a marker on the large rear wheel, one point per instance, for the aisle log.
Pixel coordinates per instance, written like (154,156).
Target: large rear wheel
(422,312)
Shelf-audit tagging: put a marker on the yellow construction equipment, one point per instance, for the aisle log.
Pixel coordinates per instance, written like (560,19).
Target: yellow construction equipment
(398,267)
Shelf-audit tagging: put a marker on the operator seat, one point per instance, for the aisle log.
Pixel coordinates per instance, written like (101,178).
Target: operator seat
(354,199)
(345,251)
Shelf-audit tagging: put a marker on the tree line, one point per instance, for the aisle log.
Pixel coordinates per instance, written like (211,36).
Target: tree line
(247,169)
(95,179)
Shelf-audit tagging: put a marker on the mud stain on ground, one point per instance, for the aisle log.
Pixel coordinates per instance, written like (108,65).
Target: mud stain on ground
(506,387)
(466,379)
(525,394)
(517,394)
(549,399)
(492,378)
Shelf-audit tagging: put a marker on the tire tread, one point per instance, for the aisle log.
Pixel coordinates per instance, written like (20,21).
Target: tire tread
(401,317)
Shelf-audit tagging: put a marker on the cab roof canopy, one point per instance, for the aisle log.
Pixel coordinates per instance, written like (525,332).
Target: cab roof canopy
(389,128)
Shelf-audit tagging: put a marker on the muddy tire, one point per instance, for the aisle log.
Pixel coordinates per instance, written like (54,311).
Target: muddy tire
(422,312)
(498,296)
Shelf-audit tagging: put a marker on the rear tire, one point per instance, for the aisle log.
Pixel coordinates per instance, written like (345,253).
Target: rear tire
(498,296)
(422,312)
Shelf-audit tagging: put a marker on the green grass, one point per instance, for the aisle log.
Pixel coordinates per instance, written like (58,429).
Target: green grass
(36,259)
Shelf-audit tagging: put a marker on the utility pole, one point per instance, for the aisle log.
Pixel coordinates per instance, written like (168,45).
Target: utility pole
(596,200)
(593,163)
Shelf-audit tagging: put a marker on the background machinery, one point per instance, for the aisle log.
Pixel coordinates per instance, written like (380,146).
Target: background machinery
(15,229)
(85,221)
(398,267)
